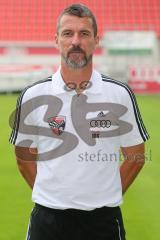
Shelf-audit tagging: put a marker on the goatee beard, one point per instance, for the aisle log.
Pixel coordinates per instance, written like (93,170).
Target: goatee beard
(77,65)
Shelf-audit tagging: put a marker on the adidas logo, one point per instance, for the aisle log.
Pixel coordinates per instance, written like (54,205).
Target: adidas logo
(101,114)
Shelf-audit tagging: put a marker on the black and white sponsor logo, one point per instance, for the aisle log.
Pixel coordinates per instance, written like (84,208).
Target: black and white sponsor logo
(100,123)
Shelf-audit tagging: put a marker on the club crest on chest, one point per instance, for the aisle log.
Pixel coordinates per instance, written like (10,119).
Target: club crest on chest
(57,124)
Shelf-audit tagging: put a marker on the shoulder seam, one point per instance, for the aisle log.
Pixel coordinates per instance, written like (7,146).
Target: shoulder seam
(38,82)
(14,133)
(141,127)
(108,79)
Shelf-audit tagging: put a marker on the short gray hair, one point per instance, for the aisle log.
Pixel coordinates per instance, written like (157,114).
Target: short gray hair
(81,11)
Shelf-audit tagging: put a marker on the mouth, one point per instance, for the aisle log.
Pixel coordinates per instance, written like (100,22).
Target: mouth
(76,55)
(76,52)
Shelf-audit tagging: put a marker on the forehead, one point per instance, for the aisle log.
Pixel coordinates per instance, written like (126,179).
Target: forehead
(74,23)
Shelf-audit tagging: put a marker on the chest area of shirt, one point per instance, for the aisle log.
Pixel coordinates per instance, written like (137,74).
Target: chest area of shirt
(88,116)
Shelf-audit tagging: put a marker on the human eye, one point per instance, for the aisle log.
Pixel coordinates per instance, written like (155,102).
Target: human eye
(85,33)
(66,33)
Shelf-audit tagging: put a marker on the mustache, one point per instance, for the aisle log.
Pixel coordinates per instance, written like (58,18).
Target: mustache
(76,49)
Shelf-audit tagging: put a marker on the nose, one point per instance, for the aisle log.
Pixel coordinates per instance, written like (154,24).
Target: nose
(76,40)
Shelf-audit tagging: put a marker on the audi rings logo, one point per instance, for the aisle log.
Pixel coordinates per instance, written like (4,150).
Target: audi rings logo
(100,123)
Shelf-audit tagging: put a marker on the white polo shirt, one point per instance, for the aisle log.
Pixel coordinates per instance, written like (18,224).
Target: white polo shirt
(78,139)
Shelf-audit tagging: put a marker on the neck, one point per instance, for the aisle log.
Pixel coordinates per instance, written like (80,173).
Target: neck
(76,75)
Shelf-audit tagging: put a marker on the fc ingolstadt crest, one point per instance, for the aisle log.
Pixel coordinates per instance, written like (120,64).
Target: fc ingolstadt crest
(57,124)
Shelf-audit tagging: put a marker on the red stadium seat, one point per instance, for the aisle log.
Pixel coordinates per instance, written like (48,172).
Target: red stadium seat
(35,20)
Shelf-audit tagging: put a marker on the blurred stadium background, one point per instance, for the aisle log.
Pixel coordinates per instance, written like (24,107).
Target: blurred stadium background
(129,48)
(129,51)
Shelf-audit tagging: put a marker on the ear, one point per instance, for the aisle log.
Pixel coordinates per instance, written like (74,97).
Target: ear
(97,41)
(56,39)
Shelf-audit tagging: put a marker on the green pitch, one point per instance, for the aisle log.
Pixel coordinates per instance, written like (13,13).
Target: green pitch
(141,208)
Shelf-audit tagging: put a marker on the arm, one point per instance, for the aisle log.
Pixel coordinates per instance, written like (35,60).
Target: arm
(26,161)
(134,160)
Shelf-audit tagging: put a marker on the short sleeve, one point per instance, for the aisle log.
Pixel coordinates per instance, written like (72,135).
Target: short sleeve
(23,130)
(138,134)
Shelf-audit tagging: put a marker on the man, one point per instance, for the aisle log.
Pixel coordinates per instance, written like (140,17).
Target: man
(68,132)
